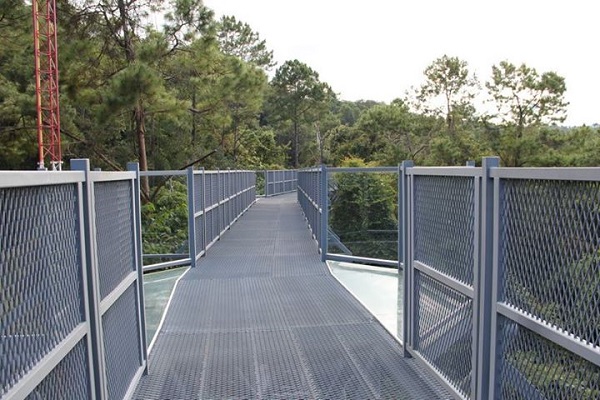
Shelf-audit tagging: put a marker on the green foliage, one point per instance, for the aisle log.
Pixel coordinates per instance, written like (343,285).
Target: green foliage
(166,96)
(363,212)
(559,375)
(237,39)
(18,142)
(524,100)
(449,90)
(164,221)
(298,100)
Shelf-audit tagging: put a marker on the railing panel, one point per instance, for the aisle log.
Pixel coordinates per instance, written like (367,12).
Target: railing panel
(444,225)
(118,278)
(69,379)
(280,182)
(507,260)
(199,186)
(550,236)
(121,343)
(114,233)
(532,367)
(69,257)
(309,199)
(444,337)
(220,197)
(444,229)
(547,239)
(41,277)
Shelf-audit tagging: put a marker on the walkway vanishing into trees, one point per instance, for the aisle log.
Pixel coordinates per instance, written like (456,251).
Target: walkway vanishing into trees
(262,317)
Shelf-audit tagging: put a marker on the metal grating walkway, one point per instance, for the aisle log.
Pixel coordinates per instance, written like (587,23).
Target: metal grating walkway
(262,318)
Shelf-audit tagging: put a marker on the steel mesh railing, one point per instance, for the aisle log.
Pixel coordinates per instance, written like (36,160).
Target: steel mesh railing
(119,279)
(115,237)
(444,336)
(217,199)
(69,379)
(550,235)
(41,277)
(443,230)
(280,181)
(548,280)
(502,285)
(501,278)
(444,224)
(309,198)
(532,367)
(61,273)
(121,344)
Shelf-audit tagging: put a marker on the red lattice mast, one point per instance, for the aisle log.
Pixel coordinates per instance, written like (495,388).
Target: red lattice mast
(46,83)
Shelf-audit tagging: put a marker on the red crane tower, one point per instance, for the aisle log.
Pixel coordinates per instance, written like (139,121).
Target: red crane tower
(46,83)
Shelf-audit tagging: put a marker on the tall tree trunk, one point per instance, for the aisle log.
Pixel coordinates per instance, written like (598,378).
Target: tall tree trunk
(450,123)
(126,26)
(320,143)
(139,113)
(236,139)
(296,144)
(194,117)
(140,133)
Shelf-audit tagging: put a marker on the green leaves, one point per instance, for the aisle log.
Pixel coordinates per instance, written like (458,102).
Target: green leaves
(523,97)
(237,39)
(524,100)
(134,82)
(449,90)
(300,98)
(363,211)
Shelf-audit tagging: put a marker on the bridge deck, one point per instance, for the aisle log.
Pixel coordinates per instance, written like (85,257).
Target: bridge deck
(261,317)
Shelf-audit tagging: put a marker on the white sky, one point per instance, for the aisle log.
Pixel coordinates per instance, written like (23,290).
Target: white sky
(378,49)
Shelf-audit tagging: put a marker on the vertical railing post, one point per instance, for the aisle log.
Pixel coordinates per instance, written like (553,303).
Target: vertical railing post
(404,253)
(324,203)
(484,295)
(226,182)
(267,183)
(97,341)
(137,215)
(191,216)
(203,200)
(218,209)
(232,195)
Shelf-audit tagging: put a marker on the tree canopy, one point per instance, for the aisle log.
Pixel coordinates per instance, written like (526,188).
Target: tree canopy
(169,95)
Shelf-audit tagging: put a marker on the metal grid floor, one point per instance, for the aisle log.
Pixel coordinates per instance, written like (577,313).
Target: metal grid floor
(262,318)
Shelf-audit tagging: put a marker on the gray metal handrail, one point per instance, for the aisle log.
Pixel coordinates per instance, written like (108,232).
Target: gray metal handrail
(72,294)
(280,181)
(497,247)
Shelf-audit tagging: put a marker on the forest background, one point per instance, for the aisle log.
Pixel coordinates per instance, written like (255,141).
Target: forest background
(166,97)
(201,88)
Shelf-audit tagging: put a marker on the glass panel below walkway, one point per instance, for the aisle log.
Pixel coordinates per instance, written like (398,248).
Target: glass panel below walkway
(380,290)
(158,287)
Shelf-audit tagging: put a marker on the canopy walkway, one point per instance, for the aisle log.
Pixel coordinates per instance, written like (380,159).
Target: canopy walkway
(262,317)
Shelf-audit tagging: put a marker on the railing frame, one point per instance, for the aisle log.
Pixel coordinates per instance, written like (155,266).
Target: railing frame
(313,208)
(280,181)
(90,329)
(487,306)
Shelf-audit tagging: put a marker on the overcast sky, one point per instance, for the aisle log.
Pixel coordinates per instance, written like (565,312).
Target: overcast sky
(378,49)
